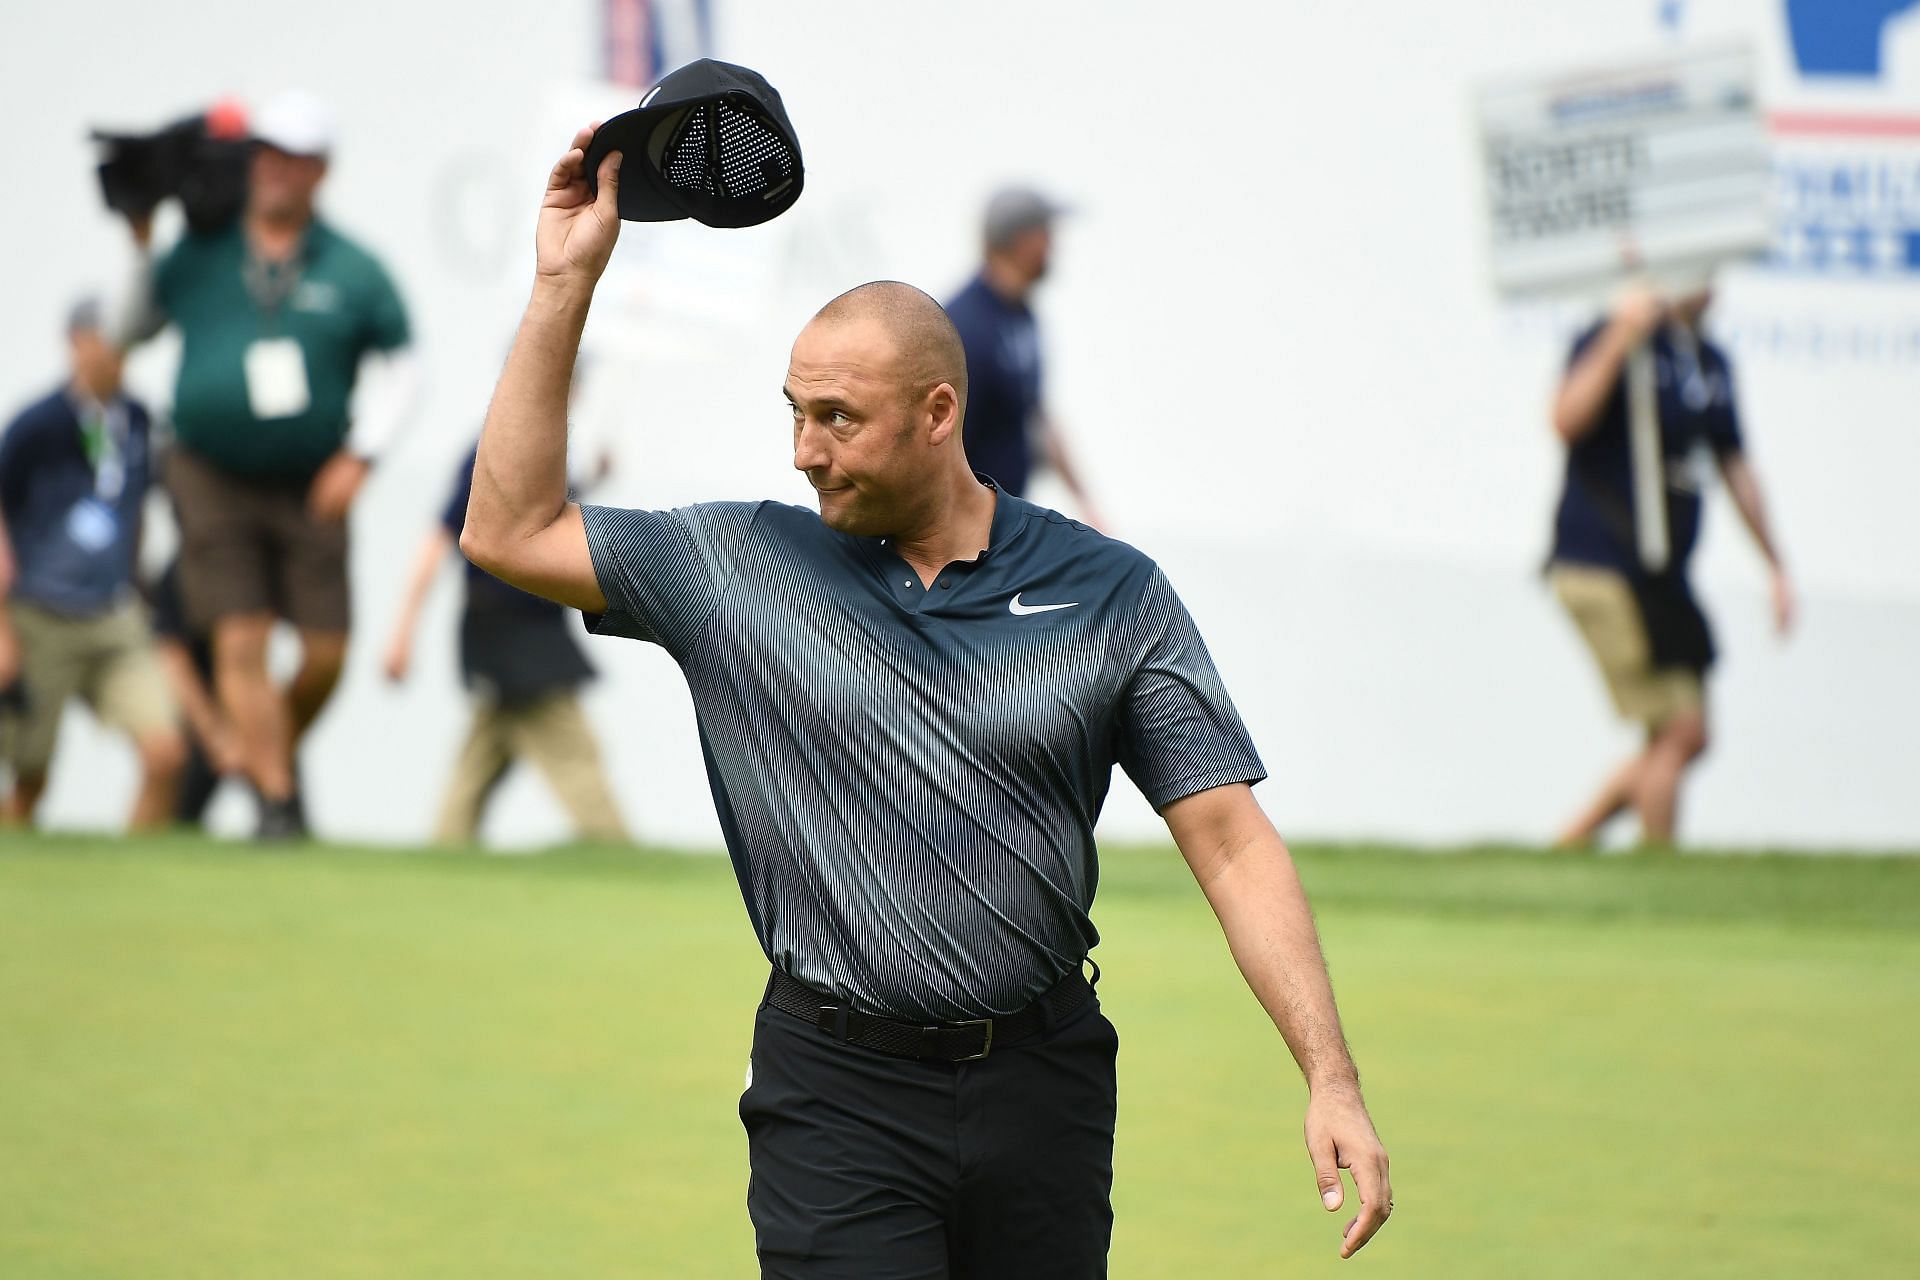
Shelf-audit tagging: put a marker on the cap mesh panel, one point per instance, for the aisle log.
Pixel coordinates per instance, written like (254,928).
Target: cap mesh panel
(687,166)
(751,155)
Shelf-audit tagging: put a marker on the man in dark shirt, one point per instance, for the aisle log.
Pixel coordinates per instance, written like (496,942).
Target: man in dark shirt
(1007,421)
(1640,619)
(911,702)
(519,657)
(74,469)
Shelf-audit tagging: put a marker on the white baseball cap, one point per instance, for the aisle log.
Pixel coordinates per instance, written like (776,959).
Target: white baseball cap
(295,122)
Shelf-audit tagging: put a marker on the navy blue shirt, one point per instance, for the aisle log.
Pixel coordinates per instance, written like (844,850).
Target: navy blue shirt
(1595,521)
(908,777)
(72,494)
(514,647)
(1003,383)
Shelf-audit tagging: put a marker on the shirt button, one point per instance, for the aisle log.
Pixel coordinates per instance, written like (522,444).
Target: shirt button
(946,584)
(907,583)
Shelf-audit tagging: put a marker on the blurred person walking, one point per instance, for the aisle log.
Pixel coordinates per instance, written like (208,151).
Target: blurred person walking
(74,472)
(1641,619)
(295,371)
(519,659)
(911,703)
(186,656)
(1007,419)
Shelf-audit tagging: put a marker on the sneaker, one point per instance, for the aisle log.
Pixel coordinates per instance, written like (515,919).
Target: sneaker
(281,822)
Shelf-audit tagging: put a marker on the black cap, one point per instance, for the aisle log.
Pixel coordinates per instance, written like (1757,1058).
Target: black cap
(711,141)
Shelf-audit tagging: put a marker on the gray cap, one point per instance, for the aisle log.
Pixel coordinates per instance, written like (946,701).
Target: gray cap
(88,315)
(1016,209)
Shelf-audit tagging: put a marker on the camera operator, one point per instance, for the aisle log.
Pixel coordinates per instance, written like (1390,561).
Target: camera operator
(294,372)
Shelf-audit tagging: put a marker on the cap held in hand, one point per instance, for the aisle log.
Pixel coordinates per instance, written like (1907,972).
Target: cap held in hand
(711,142)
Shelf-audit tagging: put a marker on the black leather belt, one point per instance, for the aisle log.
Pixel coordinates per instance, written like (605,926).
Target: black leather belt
(939,1041)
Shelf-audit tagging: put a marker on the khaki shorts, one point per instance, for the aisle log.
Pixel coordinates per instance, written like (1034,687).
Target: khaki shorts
(251,546)
(107,661)
(1601,603)
(551,733)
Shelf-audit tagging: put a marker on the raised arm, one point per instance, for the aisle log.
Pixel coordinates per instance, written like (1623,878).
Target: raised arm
(520,526)
(1744,485)
(133,312)
(1244,869)
(1590,381)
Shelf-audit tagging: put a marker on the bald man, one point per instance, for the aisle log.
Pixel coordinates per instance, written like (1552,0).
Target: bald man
(911,703)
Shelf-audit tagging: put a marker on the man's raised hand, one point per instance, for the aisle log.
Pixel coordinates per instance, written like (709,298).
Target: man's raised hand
(577,231)
(1638,311)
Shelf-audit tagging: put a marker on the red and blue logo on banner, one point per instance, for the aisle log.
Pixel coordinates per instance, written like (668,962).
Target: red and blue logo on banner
(645,39)
(1847,155)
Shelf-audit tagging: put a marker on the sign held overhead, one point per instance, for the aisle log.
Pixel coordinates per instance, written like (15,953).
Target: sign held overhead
(1659,166)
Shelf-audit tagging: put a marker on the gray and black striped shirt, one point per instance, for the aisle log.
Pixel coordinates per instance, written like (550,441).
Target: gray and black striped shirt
(908,777)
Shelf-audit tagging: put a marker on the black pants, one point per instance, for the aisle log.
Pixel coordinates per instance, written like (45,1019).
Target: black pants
(868,1167)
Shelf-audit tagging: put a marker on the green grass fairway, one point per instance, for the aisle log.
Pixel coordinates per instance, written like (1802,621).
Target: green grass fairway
(346,1063)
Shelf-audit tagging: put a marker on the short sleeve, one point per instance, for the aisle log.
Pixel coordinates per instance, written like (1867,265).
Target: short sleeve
(385,326)
(1178,731)
(1581,343)
(168,271)
(17,447)
(454,517)
(663,572)
(966,320)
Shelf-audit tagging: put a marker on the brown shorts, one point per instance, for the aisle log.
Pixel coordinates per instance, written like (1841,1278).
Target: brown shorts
(251,546)
(106,661)
(1602,605)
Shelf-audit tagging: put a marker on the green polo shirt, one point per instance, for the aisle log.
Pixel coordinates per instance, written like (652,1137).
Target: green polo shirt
(341,306)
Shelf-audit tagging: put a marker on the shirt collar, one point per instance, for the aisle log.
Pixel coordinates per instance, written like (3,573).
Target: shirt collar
(314,239)
(1009,306)
(83,404)
(1009,516)
(1009,521)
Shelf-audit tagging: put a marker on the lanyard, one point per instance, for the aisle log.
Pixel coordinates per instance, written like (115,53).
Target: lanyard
(103,438)
(269,283)
(1695,392)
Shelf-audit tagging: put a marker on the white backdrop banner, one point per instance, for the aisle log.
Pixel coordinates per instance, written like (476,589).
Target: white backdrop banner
(1268,331)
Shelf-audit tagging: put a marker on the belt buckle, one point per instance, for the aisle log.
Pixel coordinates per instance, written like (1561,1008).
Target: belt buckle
(986,1045)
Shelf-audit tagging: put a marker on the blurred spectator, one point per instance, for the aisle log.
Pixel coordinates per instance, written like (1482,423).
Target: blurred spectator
(519,657)
(186,656)
(1642,623)
(1007,421)
(294,372)
(74,470)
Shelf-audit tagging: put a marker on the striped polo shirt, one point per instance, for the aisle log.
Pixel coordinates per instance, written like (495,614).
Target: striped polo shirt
(908,777)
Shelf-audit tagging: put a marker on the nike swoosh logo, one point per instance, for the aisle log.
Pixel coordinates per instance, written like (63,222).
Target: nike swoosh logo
(1022,610)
